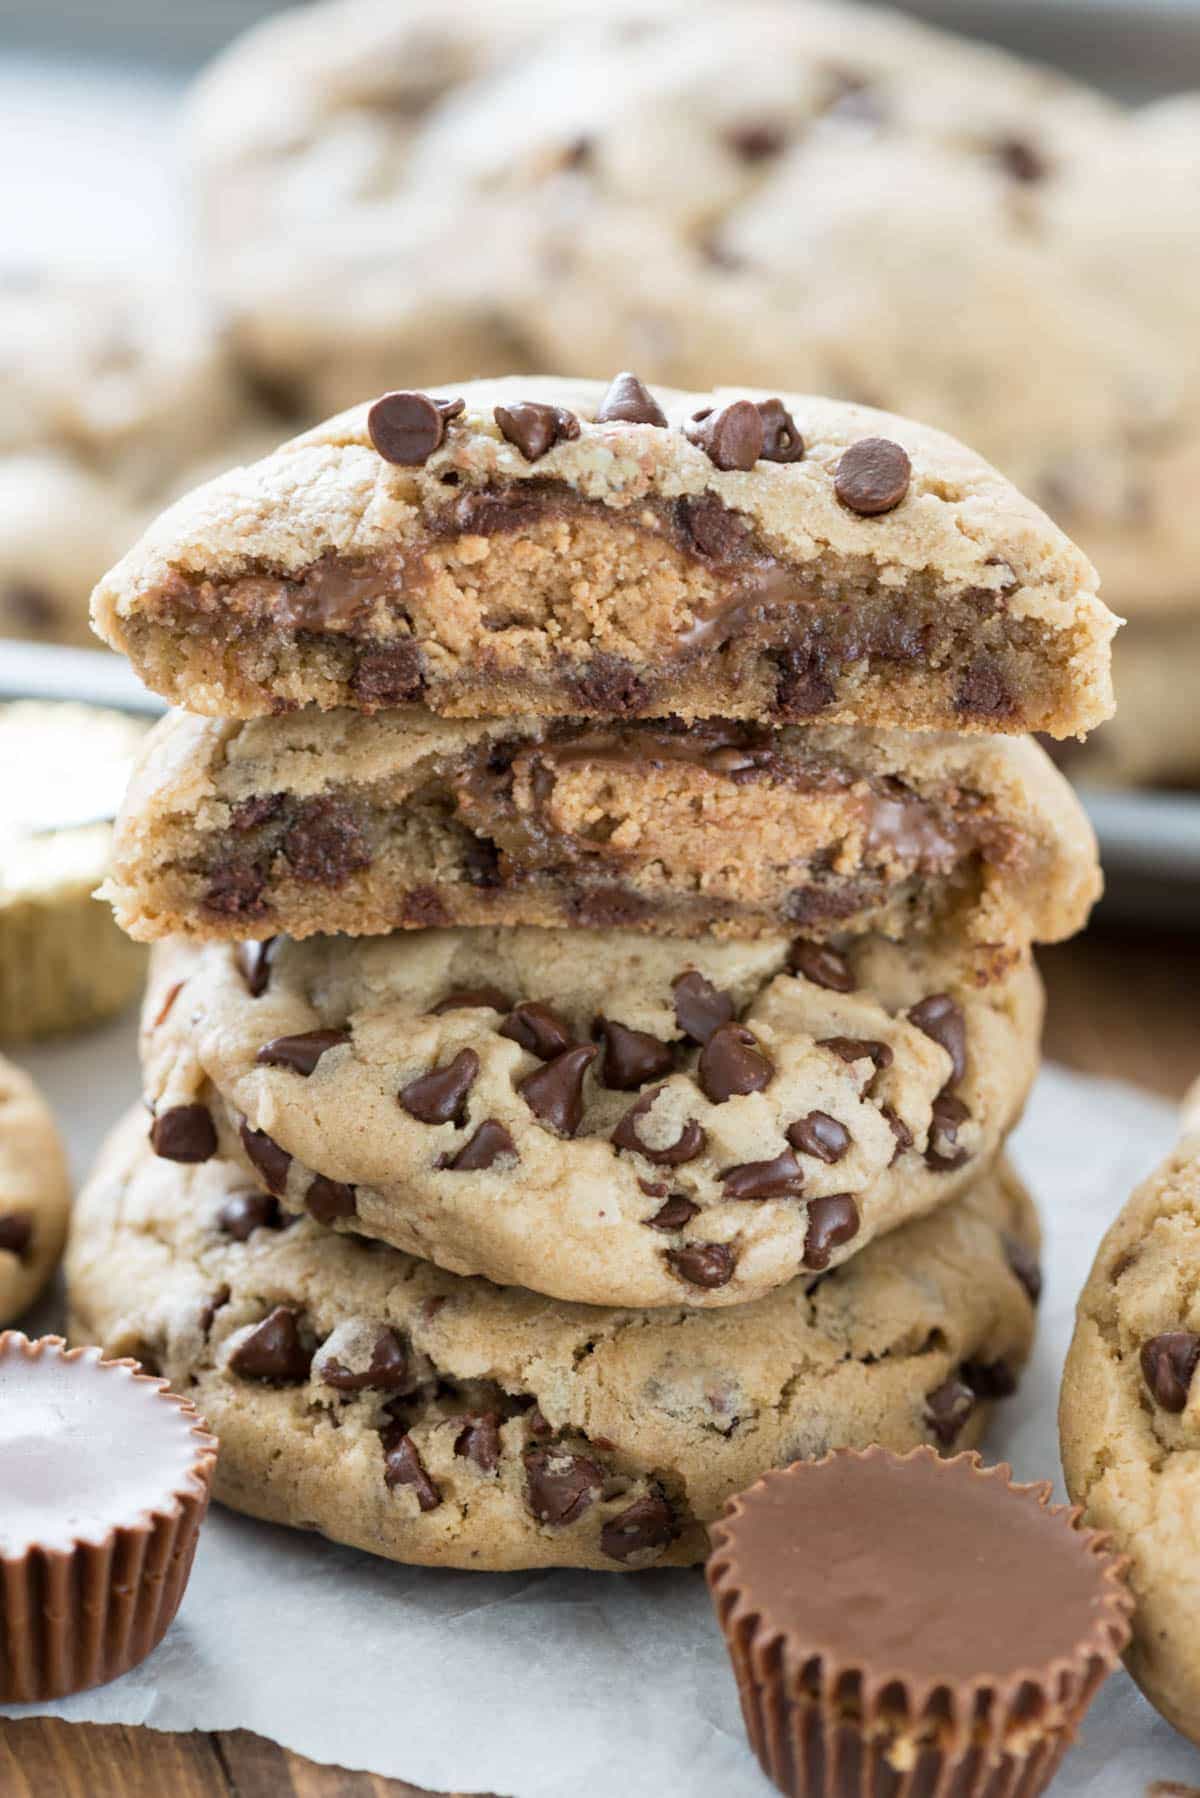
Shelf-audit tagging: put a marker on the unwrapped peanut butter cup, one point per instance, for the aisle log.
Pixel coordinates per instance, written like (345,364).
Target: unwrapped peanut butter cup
(104,1481)
(913,1627)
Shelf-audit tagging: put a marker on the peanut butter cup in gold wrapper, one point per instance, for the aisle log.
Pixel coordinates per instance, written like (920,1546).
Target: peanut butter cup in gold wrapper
(104,1481)
(903,1626)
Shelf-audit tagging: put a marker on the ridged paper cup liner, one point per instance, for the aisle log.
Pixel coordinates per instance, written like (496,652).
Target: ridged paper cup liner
(827,1720)
(78,1612)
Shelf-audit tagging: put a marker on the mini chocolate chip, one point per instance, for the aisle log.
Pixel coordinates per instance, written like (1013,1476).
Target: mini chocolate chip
(899,1129)
(648,1523)
(820,1135)
(1168,1364)
(1024,1264)
(631,1057)
(943,1153)
(387,1371)
(872,476)
(554,1093)
(989,1379)
(329,1199)
(184,1133)
(440,1097)
(707,1264)
(629,402)
(822,965)
(947,1410)
(402,1466)
(245,1212)
(941,1018)
(271,1161)
(731,438)
(756,142)
(484,1149)
(858,1048)
(390,674)
(677,1212)
(778,1179)
(253,962)
(300,1053)
(537,1029)
(687,1145)
(479,1441)
(16,1233)
(275,1351)
(326,844)
(1021,160)
(733,1062)
(832,1220)
(474,998)
(559,1487)
(535,428)
(700,1007)
(406,428)
(782,442)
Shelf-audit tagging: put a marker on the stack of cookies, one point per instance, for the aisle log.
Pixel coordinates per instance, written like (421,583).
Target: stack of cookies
(595,872)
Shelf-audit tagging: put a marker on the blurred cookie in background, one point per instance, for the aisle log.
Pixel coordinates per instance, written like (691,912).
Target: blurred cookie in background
(61,527)
(63,962)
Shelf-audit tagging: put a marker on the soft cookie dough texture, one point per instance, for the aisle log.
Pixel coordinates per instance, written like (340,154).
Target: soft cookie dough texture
(827,196)
(1129,1419)
(619,572)
(600,1116)
(35,1193)
(449,1422)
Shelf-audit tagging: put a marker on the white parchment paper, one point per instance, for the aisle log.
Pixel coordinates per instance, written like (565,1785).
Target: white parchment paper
(532,1685)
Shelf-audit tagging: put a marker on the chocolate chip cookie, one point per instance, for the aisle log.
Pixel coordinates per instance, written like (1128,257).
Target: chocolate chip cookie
(446,1421)
(35,1193)
(571,549)
(721,827)
(600,1116)
(1129,1419)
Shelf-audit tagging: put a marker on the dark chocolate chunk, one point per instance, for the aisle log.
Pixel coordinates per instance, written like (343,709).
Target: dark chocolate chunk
(406,428)
(326,845)
(731,438)
(631,1057)
(806,682)
(648,1523)
(677,1212)
(941,1018)
(484,1149)
(537,1029)
(402,1466)
(629,402)
(184,1133)
(1168,1364)
(782,442)
(707,1264)
(689,1143)
(872,476)
(300,1053)
(820,1135)
(387,1371)
(475,998)
(245,1212)
(440,1097)
(989,1379)
(733,1062)
(554,1093)
(253,962)
(943,1152)
(535,428)
(858,1048)
(390,674)
(16,1233)
(328,1199)
(559,1487)
(983,692)
(822,965)
(711,528)
(898,1128)
(1025,1266)
(236,890)
(947,1410)
(700,1007)
(479,1441)
(275,1351)
(271,1161)
(832,1220)
(777,1179)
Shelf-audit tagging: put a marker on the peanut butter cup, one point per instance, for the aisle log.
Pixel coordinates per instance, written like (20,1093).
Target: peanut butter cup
(913,1625)
(104,1481)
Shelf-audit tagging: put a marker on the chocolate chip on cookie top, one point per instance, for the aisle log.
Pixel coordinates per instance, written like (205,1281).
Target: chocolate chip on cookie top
(535,428)
(406,428)
(629,402)
(745,432)
(1169,1363)
(872,476)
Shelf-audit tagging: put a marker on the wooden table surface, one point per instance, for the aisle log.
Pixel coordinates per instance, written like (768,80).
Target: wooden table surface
(1121,1004)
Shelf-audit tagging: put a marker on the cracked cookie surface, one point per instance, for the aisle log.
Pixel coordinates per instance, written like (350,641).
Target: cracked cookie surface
(661,827)
(1129,1420)
(445,1421)
(35,1193)
(537,550)
(601,1116)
